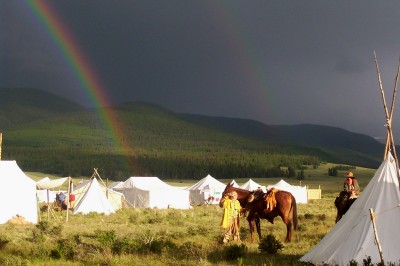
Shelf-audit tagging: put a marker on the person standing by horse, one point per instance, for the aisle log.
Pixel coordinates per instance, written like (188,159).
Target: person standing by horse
(230,217)
(351,186)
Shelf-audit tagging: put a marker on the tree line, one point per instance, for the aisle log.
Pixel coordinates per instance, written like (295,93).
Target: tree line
(184,165)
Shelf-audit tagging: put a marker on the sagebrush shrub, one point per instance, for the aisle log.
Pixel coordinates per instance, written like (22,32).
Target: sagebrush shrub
(189,251)
(308,216)
(66,248)
(270,245)
(3,241)
(106,237)
(235,251)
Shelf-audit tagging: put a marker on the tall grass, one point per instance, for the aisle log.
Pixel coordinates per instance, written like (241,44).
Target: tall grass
(156,237)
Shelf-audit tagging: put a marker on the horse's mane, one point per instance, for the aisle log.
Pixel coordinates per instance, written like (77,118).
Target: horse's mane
(237,189)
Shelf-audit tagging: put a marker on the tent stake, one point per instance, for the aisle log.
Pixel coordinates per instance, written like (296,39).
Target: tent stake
(373,217)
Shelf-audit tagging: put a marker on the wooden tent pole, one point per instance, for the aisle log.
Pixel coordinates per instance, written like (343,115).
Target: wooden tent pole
(389,137)
(48,204)
(391,142)
(107,187)
(373,217)
(68,194)
(384,104)
(1,142)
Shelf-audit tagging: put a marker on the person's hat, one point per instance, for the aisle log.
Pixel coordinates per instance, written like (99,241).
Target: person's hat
(350,174)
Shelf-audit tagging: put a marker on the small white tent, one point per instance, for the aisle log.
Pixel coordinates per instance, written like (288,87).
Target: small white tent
(353,237)
(251,185)
(44,185)
(234,183)
(94,200)
(298,192)
(18,193)
(151,192)
(116,199)
(206,187)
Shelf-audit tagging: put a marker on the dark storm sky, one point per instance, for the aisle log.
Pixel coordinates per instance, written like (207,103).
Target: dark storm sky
(278,62)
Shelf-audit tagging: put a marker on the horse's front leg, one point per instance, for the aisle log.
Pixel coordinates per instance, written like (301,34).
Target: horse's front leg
(251,226)
(258,226)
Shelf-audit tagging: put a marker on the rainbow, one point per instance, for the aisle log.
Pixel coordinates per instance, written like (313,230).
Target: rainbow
(80,66)
(250,66)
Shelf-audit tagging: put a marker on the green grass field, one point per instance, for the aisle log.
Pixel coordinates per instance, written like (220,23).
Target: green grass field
(170,236)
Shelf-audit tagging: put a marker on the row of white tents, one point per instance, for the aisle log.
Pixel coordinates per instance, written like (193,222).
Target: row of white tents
(209,186)
(95,196)
(352,238)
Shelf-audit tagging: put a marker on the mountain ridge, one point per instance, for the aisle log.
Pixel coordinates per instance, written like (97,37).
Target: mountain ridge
(157,133)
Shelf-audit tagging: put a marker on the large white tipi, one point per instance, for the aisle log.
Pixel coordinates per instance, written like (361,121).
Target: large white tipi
(370,228)
(352,238)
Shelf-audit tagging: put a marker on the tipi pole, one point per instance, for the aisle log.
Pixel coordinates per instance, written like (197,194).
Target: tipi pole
(373,217)
(389,138)
(388,121)
(107,187)
(48,204)
(394,95)
(69,192)
(1,142)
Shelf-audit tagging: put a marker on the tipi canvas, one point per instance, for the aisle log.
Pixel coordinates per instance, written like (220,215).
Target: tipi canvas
(116,199)
(94,200)
(17,195)
(353,237)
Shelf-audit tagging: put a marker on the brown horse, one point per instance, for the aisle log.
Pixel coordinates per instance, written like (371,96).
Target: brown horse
(342,204)
(255,204)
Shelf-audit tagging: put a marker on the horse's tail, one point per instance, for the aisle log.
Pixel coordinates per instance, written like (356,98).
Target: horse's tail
(294,212)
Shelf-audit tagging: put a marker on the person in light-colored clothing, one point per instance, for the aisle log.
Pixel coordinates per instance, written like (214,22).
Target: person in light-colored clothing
(351,185)
(230,217)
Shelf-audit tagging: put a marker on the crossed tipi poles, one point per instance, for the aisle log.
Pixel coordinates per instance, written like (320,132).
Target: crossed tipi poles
(389,115)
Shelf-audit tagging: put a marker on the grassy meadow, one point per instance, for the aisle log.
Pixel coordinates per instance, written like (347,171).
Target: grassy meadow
(170,236)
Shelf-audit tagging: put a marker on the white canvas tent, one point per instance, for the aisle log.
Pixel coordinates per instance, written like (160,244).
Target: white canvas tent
(116,199)
(93,200)
(44,185)
(44,195)
(206,187)
(251,185)
(234,183)
(151,192)
(115,184)
(47,183)
(18,193)
(299,193)
(353,237)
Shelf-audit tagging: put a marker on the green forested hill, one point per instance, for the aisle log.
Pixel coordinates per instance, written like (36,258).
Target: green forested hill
(22,105)
(342,145)
(156,141)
